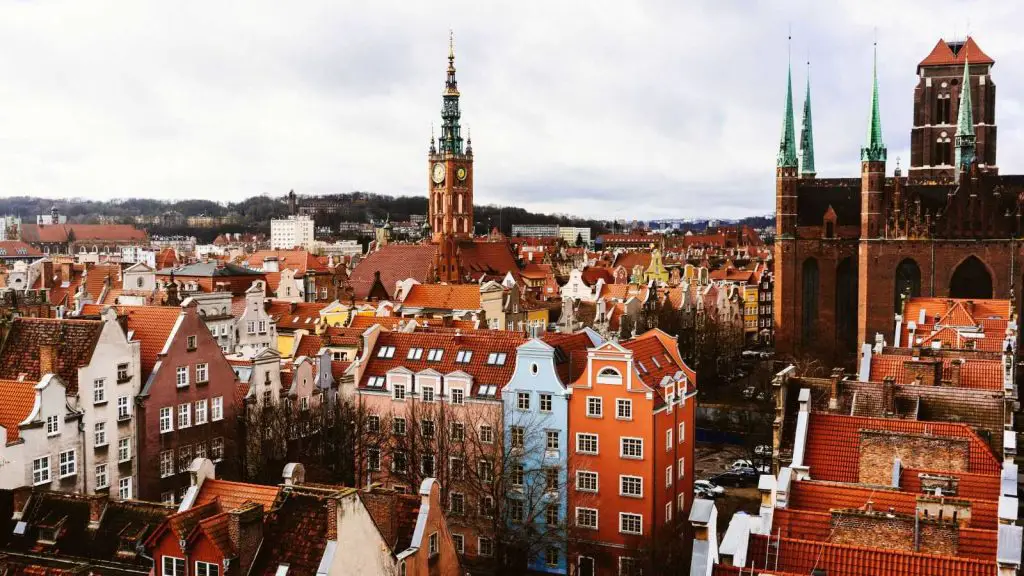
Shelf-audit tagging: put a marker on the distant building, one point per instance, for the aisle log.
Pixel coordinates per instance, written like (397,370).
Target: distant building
(10,228)
(571,233)
(295,231)
(536,230)
(54,217)
(136,254)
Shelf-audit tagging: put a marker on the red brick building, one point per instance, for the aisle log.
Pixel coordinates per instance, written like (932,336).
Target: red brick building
(848,249)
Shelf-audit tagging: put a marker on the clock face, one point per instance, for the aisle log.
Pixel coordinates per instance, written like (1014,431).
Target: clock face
(438,173)
(461,173)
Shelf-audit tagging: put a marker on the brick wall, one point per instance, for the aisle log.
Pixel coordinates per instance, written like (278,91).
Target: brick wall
(928,370)
(890,531)
(878,449)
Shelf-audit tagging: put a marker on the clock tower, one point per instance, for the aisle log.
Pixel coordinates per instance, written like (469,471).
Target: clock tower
(450,170)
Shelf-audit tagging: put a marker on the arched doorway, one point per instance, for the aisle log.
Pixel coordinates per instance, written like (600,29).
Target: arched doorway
(908,281)
(846,305)
(809,299)
(971,279)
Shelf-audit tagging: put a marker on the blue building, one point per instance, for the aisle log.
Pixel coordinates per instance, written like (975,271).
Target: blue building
(536,420)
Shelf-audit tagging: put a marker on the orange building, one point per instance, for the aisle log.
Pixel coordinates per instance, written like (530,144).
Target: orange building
(631,430)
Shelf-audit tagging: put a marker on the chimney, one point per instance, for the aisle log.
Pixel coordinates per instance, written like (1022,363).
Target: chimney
(292,306)
(954,372)
(65,272)
(294,474)
(889,396)
(47,273)
(245,529)
(270,264)
(833,397)
(47,359)
(332,519)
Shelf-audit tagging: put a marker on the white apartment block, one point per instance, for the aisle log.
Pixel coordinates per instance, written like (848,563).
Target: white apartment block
(295,231)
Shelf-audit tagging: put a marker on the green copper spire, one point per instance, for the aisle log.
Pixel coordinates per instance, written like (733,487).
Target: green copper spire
(787,144)
(965,138)
(451,138)
(874,149)
(807,134)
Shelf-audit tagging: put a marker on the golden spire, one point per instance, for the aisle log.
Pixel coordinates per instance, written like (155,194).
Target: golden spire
(451,48)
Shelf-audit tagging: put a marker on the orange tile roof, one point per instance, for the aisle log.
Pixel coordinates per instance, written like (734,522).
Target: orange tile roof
(975,373)
(624,291)
(309,345)
(183,523)
(629,260)
(299,260)
(216,529)
(151,326)
(656,356)
(992,316)
(942,54)
(73,342)
(362,322)
(81,233)
(18,249)
(443,296)
(394,262)
(16,402)
(232,495)
(294,315)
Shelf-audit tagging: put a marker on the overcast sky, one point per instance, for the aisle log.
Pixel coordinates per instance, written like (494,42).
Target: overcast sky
(606,109)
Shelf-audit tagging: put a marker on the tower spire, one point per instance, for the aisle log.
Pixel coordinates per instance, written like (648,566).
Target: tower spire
(807,134)
(787,143)
(965,138)
(451,138)
(874,149)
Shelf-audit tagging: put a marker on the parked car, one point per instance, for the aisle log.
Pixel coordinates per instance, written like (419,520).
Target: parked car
(747,472)
(728,478)
(763,450)
(707,489)
(741,463)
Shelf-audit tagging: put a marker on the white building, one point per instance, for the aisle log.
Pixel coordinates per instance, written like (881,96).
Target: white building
(570,233)
(136,254)
(296,231)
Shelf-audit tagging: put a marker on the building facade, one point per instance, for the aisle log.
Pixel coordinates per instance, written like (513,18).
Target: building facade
(291,232)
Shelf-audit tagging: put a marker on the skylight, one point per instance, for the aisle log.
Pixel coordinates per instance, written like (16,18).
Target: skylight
(375,382)
(464,356)
(496,359)
(414,354)
(435,355)
(386,352)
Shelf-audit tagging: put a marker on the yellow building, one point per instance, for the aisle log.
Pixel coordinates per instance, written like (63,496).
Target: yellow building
(750,310)
(656,269)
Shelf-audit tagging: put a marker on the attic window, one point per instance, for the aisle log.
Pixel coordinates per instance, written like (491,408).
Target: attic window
(642,367)
(190,343)
(488,390)
(435,355)
(414,354)
(375,382)
(282,570)
(655,360)
(496,359)
(386,352)
(464,356)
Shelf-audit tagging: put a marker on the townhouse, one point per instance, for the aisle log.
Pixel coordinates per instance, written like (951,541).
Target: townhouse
(631,426)
(254,328)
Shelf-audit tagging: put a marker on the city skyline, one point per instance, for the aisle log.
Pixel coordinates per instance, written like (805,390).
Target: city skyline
(660,112)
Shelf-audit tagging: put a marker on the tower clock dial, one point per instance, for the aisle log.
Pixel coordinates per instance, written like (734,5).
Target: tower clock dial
(438,173)
(461,173)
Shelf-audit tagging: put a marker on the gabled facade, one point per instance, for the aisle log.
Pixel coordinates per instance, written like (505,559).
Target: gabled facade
(255,329)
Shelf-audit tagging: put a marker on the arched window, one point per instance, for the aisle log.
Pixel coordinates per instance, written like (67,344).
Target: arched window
(971,280)
(846,304)
(609,376)
(908,281)
(809,298)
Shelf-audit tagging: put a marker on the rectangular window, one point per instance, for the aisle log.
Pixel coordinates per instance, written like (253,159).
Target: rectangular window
(586,481)
(182,376)
(624,409)
(632,486)
(166,419)
(373,424)
(631,448)
(485,471)
(52,425)
(432,545)
(184,415)
(200,412)
(458,431)
(398,426)
(545,402)
(668,440)
(398,461)
(682,433)
(523,400)
(398,391)
(456,468)
(99,434)
(552,440)
(463,356)
(166,463)
(190,343)
(551,515)
(551,556)
(184,457)
(485,546)
(202,373)
(200,449)
(207,569)
(668,512)
(586,443)
(386,352)
(123,408)
(460,543)
(68,464)
(122,373)
(102,481)
(99,391)
(458,396)
(668,476)
(217,408)
(373,459)
(41,470)
(435,355)
(427,428)
(263,326)
(167,497)
(627,567)
(551,479)
(518,475)
(518,436)
(594,408)
(516,510)
(457,503)
(414,354)
(681,500)
(496,359)
(124,449)
(630,523)
(486,434)
(250,327)
(217,449)
(586,518)
(427,393)
(173,566)
(680,468)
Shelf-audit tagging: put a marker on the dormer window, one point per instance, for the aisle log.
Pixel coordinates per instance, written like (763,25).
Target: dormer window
(386,352)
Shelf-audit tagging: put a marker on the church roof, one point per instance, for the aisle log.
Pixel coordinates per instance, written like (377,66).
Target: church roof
(953,53)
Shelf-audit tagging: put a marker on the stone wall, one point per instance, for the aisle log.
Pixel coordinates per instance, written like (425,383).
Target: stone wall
(878,449)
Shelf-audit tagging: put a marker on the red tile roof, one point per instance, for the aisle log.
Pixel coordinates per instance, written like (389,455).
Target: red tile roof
(299,260)
(444,296)
(592,274)
(216,529)
(942,54)
(629,260)
(232,495)
(975,373)
(992,316)
(73,343)
(294,315)
(183,523)
(486,259)
(17,249)
(624,291)
(394,262)
(655,356)
(16,402)
(309,345)
(150,325)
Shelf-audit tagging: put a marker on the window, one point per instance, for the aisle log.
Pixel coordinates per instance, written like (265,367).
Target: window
(460,543)
(41,470)
(373,459)
(398,426)
(518,475)
(627,567)
(184,457)
(545,402)
(551,556)
(52,425)
(456,503)
(631,448)
(414,354)
(594,407)
(586,481)
(427,428)
(682,433)
(551,479)
(609,376)
(486,434)
(484,471)
(373,424)
(398,461)
(202,373)
(182,376)
(496,359)
(427,393)
(435,355)
(122,372)
(166,463)
(518,436)
(485,547)
(668,440)
(398,391)
(516,510)
(668,476)
(668,512)
(190,343)
(200,450)
(173,566)
(552,440)
(200,412)
(632,486)
(99,434)
(523,400)
(630,523)
(464,356)
(681,500)
(680,468)
(217,449)
(458,396)
(250,327)
(207,569)
(586,443)
(166,420)
(68,465)
(124,449)
(386,352)
(431,544)
(263,326)
(184,415)
(624,409)
(456,468)
(99,391)
(551,515)
(458,431)
(586,518)
(217,408)
(102,481)
(123,408)
(167,497)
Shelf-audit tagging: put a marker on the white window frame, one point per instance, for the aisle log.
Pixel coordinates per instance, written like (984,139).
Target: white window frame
(398,391)
(435,354)
(556,444)
(597,443)
(42,470)
(184,415)
(668,476)
(458,396)
(52,425)
(623,441)
(599,403)
(459,540)
(166,419)
(621,403)
(596,518)
(102,476)
(682,466)
(489,435)
(217,409)
(207,566)
(124,446)
(202,373)
(67,463)
(587,474)
(681,437)
(99,434)
(427,393)
(480,546)
(201,412)
(414,353)
(182,377)
(625,479)
(639,518)
(668,512)
(174,566)
(166,463)
(668,440)
(124,407)
(99,391)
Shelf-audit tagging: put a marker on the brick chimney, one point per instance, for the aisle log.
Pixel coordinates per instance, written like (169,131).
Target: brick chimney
(47,359)
(47,273)
(954,372)
(65,272)
(833,396)
(925,371)
(245,529)
(889,396)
